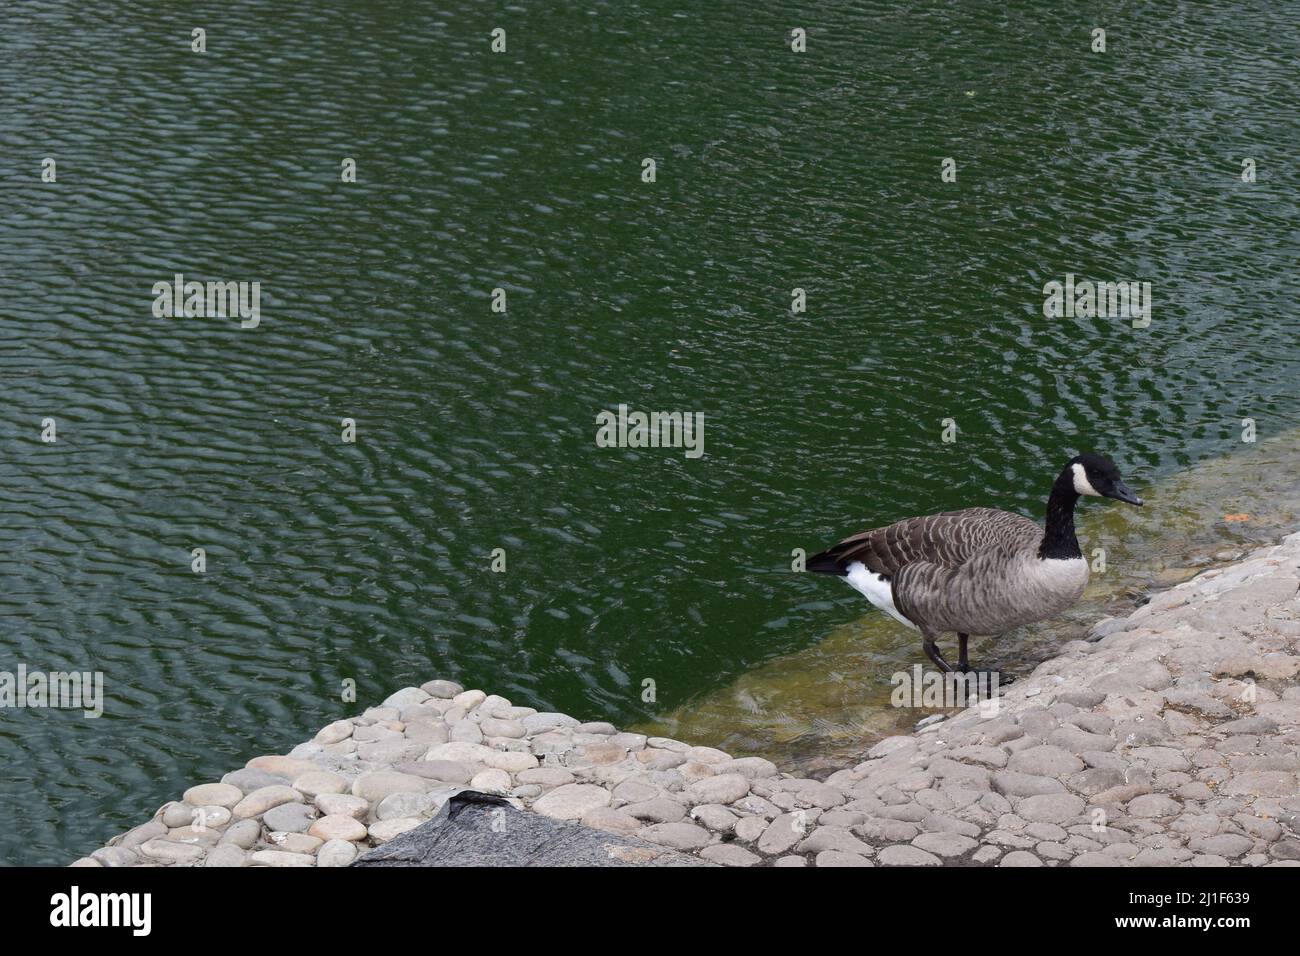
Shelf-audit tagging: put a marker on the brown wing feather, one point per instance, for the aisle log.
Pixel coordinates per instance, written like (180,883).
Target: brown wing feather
(946,540)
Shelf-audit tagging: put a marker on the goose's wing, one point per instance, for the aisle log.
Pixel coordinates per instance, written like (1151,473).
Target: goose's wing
(946,540)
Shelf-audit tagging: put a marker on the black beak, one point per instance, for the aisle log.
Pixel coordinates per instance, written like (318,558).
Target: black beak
(1120,492)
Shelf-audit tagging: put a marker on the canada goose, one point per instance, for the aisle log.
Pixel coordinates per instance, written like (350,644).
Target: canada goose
(978,570)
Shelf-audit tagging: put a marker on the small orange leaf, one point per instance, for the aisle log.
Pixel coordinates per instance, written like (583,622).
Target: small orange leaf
(1242,517)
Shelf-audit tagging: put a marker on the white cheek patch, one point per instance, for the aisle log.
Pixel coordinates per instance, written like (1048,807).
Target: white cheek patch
(1082,485)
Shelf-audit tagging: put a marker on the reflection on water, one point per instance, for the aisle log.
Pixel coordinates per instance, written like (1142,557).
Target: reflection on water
(824,706)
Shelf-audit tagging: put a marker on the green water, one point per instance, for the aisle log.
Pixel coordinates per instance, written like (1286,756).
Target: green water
(476,430)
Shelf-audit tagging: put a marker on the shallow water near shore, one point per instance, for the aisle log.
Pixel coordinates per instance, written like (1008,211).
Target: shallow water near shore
(823,707)
(371,562)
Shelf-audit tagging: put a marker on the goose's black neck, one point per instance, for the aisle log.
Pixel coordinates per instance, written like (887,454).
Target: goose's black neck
(1059,541)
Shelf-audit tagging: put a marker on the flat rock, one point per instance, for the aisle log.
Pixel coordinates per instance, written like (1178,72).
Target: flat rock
(406,697)
(226,855)
(495,727)
(728,854)
(342,804)
(723,788)
(281,858)
(442,689)
(1152,805)
(945,844)
(115,856)
(385,830)
(249,780)
(287,767)
(1020,858)
(1050,807)
(408,803)
(491,781)
(903,855)
(213,794)
(572,801)
(656,810)
(755,768)
(1045,761)
(294,842)
(460,751)
(716,817)
(336,853)
(263,799)
(320,781)
(290,817)
(1261,783)
(781,834)
(338,827)
(243,834)
(334,733)
(543,722)
(834,838)
(548,777)
(749,829)
(510,761)
(167,851)
(1016,784)
(447,771)
(678,836)
(375,785)
(611,820)
(1230,845)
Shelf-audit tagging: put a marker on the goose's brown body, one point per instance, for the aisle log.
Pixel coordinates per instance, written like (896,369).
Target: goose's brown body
(978,570)
(974,571)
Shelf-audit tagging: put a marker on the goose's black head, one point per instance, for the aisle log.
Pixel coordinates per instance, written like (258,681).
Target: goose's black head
(1097,475)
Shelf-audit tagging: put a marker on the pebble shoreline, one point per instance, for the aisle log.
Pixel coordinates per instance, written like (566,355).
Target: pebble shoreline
(1169,737)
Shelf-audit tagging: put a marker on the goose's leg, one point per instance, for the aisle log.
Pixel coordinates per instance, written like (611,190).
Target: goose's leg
(963,663)
(932,652)
(973,689)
